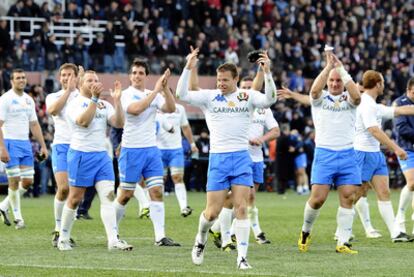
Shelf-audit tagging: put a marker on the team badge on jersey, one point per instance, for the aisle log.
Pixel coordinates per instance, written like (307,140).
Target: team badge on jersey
(28,103)
(243,96)
(101,105)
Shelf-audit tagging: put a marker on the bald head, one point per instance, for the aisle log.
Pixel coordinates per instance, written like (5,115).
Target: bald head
(335,84)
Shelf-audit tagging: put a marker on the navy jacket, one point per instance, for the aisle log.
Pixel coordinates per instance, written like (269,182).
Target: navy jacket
(404,125)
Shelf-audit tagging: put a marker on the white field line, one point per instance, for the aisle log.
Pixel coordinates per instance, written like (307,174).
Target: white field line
(134,269)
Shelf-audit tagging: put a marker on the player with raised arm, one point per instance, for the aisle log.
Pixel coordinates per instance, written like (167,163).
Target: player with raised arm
(88,161)
(228,112)
(140,157)
(56,104)
(17,118)
(169,142)
(333,112)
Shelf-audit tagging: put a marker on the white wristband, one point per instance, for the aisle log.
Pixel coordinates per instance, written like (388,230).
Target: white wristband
(193,144)
(344,74)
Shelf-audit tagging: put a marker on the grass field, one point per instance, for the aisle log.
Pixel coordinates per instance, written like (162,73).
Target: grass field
(28,252)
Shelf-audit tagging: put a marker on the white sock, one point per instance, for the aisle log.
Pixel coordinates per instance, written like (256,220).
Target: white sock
(225,217)
(344,220)
(4,205)
(232,227)
(203,226)
(68,217)
(309,217)
(362,207)
(253,213)
(216,226)
(406,197)
(14,199)
(119,211)
(108,216)
(141,196)
(157,215)
(242,231)
(22,190)
(181,194)
(387,213)
(58,208)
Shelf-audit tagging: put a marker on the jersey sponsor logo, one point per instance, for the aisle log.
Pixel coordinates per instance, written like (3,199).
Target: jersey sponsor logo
(336,107)
(219,98)
(243,96)
(230,109)
(231,104)
(136,97)
(261,111)
(14,102)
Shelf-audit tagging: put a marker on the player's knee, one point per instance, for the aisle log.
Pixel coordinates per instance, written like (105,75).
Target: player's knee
(124,196)
(211,214)
(26,182)
(62,192)
(106,192)
(410,185)
(178,178)
(240,212)
(156,193)
(317,202)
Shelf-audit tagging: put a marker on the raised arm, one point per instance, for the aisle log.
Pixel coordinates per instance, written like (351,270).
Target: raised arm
(350,85)
(183,83)
(169,105)
(56,106)
(286,93)
(258,80)
(320,81)
(270,87)
(86,117)
(139,106)
(117,120)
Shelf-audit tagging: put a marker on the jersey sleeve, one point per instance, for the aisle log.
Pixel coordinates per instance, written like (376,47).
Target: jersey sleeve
(386,112)
(50,99)
(183,119)
(3,109)
(159,101)
(369,116)
(110,110)
(270,121)
(318,101)
(127,99)
(33,115)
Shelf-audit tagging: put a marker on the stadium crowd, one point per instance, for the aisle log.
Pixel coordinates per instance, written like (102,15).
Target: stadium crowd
(365,34)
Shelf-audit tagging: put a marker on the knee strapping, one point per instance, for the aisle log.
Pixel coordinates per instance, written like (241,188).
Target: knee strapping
(154,181)
(105,191)
(128,186)
(27,173)
(177,170)
(13,172)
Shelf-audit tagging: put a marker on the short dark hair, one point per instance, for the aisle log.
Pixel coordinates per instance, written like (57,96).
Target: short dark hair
(370,79)
(246,79)
(410,83)
(229,67)
(139,63)
(16,70)
(69,66)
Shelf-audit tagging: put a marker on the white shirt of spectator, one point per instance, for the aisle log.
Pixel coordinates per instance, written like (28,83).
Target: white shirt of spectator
(93,137)
(262,119)
(16,112)
(139,130)
(369,114)
(62,133)
(176,120)
(334,120)
(228,116)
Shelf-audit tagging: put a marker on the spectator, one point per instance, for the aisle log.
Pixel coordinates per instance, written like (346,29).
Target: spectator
(201,164)
(109,47)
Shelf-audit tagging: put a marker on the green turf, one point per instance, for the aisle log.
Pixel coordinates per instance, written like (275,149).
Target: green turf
(29,252)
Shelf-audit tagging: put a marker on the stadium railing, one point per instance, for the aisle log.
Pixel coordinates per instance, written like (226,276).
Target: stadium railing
(63,28)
